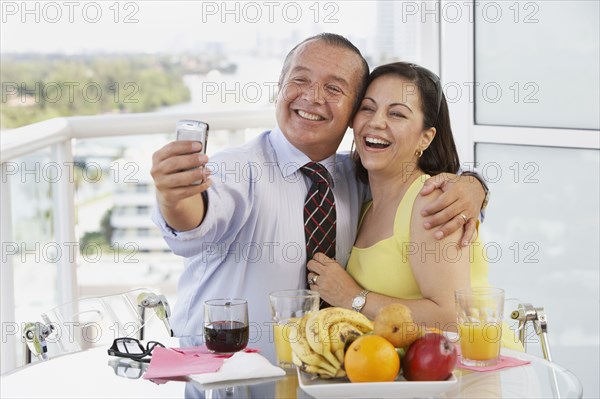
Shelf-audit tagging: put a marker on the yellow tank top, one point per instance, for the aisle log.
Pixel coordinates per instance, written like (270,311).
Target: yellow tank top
(385,267)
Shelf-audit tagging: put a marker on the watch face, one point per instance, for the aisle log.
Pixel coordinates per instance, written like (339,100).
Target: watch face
(358,302)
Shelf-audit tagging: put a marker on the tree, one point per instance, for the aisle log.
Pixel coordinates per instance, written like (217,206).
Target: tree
(105,227)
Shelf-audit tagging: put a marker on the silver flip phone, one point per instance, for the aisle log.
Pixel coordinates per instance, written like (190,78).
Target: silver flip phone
(193,130)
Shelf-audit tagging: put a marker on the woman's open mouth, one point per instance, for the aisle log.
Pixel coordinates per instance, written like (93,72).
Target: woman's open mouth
(373,142)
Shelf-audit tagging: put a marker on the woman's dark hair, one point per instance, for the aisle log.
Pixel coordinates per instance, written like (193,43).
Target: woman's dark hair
(441,155)
(334,40)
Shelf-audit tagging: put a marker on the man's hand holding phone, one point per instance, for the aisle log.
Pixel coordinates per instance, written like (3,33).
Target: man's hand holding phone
(180,176)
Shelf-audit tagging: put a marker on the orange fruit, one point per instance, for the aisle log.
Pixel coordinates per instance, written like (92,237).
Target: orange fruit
(371,358)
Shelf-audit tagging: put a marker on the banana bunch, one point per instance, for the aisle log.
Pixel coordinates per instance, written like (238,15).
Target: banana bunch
(321,340)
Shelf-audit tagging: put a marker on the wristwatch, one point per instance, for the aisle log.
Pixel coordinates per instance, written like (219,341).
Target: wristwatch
(360,300)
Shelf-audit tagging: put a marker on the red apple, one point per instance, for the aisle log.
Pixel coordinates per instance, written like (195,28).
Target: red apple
(430,358)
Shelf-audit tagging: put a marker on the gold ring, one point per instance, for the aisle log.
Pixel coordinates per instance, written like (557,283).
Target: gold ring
(464,217)
(313,280)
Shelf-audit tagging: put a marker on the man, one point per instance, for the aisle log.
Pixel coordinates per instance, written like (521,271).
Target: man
(242,234)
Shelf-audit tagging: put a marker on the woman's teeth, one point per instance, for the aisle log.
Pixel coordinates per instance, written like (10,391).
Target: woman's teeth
(376,143)
(311,117)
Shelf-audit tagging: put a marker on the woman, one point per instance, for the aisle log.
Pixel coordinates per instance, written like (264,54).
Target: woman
(402,135)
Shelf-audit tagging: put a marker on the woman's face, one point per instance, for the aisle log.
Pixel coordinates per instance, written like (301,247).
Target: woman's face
(388,127)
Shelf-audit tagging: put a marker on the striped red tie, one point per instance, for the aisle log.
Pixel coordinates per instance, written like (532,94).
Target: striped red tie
(319,212)
(319,215)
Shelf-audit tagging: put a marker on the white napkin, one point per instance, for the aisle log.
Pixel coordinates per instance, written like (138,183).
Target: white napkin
(241,366)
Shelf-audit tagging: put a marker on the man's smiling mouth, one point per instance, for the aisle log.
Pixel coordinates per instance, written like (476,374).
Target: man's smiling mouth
(309,116)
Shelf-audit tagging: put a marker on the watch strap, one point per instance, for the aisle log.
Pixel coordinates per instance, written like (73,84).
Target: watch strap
(362,294)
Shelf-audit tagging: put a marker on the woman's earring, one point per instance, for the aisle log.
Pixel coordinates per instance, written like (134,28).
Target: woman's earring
(419,153)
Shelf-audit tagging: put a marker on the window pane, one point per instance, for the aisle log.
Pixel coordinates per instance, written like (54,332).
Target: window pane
(537,63)
(541,233)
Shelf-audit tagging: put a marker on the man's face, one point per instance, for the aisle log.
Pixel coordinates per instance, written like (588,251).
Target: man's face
(315,101)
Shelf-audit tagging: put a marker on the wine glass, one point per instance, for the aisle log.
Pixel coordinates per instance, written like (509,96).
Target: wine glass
(226,325)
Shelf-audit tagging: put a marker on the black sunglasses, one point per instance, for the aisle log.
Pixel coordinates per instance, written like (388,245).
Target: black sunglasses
(436,81)
(131,348)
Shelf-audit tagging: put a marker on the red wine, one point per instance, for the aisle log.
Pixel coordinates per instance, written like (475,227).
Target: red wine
(226,336)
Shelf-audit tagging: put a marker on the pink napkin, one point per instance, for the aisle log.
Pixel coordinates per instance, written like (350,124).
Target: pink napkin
(170,363)
(505,362)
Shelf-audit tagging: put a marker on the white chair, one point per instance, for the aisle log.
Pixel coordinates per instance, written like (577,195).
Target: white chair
(527,313)
(90,322)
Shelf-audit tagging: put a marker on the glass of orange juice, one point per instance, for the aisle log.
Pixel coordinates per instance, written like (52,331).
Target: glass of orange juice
(479,312)
(287,307)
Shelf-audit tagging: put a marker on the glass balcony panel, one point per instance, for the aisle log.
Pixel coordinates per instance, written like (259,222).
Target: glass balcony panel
(34,251)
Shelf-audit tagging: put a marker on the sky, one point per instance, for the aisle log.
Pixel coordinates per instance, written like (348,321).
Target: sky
(171,26)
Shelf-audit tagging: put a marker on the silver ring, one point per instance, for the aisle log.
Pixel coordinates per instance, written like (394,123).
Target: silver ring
(464,217)
(313,280)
